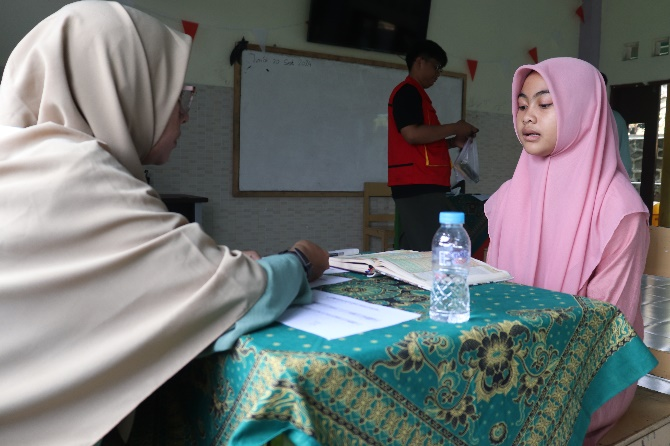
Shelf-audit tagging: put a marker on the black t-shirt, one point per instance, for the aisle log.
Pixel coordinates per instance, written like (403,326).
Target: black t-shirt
(407,108)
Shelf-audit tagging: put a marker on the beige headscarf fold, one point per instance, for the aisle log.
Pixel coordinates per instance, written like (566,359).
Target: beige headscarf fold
(108,71)
(103,294)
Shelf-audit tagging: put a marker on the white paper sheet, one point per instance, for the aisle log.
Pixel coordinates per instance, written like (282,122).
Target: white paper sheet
(332,316)
(328,280)
(333,270)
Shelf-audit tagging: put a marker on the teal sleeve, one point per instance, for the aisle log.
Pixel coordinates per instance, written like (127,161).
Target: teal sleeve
(624,148)
(287,284)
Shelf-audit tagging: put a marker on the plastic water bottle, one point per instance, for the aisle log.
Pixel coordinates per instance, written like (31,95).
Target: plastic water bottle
(450,296)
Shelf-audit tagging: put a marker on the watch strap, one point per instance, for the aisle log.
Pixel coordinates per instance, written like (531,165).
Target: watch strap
(304,261)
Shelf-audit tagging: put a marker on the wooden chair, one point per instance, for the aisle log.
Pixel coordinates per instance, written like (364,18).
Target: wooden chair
(658,257)
(648,417)
(378,225)
(646,422)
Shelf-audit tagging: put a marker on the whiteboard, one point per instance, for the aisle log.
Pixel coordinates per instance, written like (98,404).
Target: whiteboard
(313,124)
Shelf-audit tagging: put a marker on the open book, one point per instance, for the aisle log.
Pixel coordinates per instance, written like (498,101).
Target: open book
(413,267)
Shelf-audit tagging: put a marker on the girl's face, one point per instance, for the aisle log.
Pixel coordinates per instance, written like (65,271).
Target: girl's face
(160,153)
(536,117)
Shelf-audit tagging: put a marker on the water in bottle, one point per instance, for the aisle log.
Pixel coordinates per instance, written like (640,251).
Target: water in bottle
(450,296)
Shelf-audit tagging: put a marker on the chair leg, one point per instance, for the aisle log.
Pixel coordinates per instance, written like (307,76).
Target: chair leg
(396,231)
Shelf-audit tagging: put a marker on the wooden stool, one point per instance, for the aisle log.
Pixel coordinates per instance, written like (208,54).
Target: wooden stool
(646,422)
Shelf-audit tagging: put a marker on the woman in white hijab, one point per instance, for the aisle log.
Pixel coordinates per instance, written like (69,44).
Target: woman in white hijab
(104,295)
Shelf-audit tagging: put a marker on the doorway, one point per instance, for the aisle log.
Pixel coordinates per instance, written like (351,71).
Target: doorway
(640,105)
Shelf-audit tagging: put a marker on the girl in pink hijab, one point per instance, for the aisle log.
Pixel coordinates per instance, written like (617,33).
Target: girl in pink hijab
(569,220)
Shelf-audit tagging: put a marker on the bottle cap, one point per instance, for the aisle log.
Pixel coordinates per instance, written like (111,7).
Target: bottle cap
(452,218)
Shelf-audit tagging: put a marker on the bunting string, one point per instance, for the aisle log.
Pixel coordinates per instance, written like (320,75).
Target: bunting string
(190,27)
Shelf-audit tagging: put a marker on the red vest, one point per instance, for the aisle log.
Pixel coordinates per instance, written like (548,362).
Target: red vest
(416,164)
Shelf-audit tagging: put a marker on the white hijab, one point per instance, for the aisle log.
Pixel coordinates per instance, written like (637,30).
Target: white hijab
(103,294)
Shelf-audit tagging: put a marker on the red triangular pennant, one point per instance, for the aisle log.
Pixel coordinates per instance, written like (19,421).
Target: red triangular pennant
(190,28)
(533,54)
(472,65)
(580,13)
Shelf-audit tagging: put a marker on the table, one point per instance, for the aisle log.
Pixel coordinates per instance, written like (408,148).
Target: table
(516,373)
(190,206)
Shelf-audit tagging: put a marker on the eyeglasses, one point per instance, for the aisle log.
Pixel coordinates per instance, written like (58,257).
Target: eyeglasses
(186,98)
(438,68)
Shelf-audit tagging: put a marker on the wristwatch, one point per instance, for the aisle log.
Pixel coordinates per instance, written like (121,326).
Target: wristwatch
(304,261)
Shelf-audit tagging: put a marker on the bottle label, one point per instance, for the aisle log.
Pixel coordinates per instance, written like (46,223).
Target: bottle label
(456,258)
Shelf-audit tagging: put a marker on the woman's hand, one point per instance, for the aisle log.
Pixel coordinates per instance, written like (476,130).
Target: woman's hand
(316,255)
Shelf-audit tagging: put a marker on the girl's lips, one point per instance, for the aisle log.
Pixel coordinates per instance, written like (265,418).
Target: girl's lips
(531,136)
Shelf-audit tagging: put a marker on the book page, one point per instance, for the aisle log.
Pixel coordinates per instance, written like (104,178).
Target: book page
(415,267)
(481,272)
(408,266)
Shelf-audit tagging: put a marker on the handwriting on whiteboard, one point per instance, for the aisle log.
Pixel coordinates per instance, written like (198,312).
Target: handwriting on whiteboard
(267,61)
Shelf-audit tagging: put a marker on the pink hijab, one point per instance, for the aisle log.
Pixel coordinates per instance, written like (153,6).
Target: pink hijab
(550,223)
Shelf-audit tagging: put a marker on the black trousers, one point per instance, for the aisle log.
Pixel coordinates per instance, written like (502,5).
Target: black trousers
(419,218)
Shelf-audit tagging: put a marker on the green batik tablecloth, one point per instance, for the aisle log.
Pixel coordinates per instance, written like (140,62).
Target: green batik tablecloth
(519,372)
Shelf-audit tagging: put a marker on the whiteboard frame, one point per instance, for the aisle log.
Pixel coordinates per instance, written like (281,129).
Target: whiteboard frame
(237,101)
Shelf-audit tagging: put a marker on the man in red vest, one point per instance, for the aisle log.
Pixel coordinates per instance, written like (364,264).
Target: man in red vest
(419,167)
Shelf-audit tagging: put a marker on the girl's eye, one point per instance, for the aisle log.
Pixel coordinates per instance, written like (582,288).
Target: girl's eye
(546,105)
(522,107)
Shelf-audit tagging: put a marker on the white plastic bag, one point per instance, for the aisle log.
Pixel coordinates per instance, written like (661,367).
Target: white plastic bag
(456,178)
(467,161)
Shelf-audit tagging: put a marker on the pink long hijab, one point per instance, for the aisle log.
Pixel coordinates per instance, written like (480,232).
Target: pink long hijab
(550,223)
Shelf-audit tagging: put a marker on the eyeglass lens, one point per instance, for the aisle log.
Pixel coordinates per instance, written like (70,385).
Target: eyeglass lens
(186,98)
